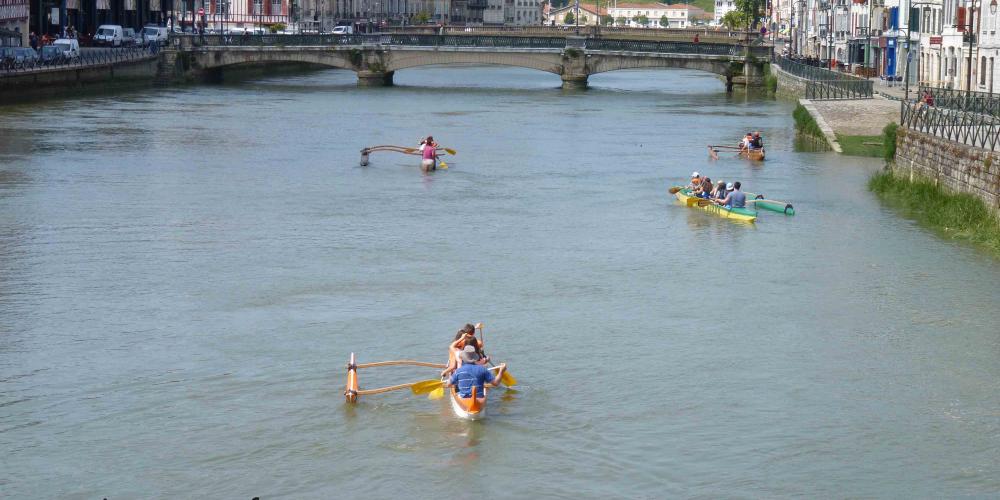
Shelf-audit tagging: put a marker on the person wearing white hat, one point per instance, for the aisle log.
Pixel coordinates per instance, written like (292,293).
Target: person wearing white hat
(695,181)
(734,197)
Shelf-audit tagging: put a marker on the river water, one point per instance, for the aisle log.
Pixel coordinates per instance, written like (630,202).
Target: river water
(184,273)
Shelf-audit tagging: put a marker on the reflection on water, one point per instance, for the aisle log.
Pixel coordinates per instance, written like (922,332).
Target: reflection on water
(808,144)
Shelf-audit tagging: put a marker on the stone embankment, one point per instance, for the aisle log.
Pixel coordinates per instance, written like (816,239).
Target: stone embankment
(954,167)
(19,86)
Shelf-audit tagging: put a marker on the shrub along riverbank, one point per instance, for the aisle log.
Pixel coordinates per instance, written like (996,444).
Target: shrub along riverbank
(958,216)
(805,124)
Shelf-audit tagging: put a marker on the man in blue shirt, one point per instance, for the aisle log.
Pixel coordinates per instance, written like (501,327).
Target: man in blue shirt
(471,374)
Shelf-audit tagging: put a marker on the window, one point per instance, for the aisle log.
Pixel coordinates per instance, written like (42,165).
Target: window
(275,7)
(982,71)
(258,7)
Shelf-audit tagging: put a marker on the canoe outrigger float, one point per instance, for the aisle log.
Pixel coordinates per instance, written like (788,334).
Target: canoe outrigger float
(773,205)
(473,408)
(741,214)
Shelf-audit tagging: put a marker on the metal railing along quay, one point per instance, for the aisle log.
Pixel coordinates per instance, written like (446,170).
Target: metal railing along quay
(825,84)
(89,58)
(971,118)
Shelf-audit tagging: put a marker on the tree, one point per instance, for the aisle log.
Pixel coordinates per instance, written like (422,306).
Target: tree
(583,19)
(620,21)
(569,18)
(734,20)
(421,17)
(753,10)
(644,21)
(664,21)
(606,20)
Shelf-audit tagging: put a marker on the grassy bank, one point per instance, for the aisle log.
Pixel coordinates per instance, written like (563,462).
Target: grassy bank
(861,145)
(805,124)
(957,216)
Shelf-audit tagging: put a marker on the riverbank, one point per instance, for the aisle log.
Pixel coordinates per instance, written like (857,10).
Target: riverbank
(958,216)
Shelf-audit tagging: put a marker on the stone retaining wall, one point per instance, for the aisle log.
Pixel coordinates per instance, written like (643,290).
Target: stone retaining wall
(18,87)
(955,167)
(789,85)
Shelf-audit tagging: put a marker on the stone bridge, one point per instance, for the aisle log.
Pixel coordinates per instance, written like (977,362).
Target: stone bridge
(375,58)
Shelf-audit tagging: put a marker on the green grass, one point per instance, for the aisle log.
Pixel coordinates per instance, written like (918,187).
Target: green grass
(956,216)
(806,124)
(854,145)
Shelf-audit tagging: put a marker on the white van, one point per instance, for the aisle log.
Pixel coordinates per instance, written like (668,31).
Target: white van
(154,34)
(70,47)
(110,35)
(343,30)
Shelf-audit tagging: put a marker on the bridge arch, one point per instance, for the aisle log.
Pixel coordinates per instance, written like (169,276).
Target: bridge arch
(548,62)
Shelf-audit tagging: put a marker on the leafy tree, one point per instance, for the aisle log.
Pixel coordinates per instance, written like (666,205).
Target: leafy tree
(583,19)
(620,21)
(606,20)
(643,20)
(664,21)
(569,18)
(753,10)
(421,17)
(734,20)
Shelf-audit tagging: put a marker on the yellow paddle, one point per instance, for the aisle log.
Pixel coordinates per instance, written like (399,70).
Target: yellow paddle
(442,165)
(450,151)
(426,386)
(675,189)
(436,393)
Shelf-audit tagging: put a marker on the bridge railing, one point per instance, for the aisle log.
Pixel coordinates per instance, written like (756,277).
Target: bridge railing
(486,41)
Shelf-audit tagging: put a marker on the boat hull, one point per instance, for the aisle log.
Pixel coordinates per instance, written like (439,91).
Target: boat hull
(467,408)
(753,154)
(740,214)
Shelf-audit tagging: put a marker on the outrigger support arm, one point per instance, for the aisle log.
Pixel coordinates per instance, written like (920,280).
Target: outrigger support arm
(402,362)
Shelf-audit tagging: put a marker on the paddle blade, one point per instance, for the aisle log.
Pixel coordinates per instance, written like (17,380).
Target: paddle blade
(436,393)
(674,190)
(450,151)
(442,165)
(426,386)
(508,379)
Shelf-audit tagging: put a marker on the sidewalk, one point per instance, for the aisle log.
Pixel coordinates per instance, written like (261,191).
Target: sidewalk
(852,117)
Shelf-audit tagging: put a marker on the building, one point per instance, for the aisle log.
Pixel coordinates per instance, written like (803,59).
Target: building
(722,7)
(14,22)
(652,15)
(527,13)
(588,15)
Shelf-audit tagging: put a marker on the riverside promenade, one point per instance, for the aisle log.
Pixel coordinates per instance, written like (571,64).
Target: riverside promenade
(840,104)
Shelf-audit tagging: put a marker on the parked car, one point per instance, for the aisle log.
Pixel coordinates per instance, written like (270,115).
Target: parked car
(154,34)
(18,57)
(110,35)
(128,37)
(343,30)
(69,46)
(51,54)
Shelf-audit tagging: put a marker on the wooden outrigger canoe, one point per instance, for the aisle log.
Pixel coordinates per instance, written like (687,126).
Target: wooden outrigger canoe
(473,408)
(741,214)
(752,154)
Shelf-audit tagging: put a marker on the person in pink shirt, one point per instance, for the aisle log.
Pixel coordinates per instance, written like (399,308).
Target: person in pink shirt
(429,161)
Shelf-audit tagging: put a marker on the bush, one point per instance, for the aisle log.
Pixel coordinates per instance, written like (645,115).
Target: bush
(889,141)
(806,124)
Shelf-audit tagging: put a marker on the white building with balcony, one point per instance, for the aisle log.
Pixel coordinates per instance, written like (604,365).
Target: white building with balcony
(656,15)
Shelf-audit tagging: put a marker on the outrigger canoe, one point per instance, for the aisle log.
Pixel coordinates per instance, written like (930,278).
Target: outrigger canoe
(740,214)
(752,154)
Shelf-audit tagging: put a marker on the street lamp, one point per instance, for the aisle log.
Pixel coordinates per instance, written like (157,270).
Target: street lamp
(970,31)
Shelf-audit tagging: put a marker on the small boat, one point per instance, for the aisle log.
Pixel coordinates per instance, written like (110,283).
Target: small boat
(752,154)
(467,408)
(740,214)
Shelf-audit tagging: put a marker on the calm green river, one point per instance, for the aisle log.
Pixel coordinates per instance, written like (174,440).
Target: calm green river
(184,273)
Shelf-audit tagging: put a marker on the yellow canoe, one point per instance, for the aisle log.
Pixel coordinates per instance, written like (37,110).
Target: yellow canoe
(741,214)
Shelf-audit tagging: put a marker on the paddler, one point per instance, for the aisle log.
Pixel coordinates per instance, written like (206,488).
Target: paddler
(704,190)
(758,142)
(429,153)
(466,337)
(695,181)
(472,373)
(734,197)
